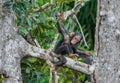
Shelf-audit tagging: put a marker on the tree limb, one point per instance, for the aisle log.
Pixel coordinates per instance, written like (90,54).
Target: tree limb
(74,10)
(41,53)
(52,67)
(54,42)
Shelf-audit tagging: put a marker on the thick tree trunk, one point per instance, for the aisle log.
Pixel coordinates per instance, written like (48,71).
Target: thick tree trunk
(11,50)
(107,43)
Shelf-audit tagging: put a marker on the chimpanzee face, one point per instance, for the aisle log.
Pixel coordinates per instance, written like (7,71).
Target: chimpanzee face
(75,39)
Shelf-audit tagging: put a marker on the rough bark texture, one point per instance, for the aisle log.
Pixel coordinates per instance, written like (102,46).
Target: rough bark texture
(107,46)
(11,50)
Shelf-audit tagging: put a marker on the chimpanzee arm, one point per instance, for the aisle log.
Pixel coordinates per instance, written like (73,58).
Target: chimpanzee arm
(63,47)
(62,61)
(62,31)
(82,54)
(63,44)
(76,50)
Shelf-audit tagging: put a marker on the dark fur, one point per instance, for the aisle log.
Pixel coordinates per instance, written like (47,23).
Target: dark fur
(65,47)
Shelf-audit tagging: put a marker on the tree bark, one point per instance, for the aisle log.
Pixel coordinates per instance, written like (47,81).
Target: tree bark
(11,50)
(107,42)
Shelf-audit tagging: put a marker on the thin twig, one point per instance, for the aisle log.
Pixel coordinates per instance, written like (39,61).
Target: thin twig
(36,43)
(55,77)
(81,31)
(51,75)
(74,10)
(53,43)
(44,7)
(52,67)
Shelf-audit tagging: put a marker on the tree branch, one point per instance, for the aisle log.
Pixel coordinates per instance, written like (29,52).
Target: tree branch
(44,7)
(74,10)
(41,53)
(54,42)
(37,44)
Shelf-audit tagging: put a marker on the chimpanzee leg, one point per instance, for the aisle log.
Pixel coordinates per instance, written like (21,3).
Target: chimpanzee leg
(62,50)
(62,61)
(88,60)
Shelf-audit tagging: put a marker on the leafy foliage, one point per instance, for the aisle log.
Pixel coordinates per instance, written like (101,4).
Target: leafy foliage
(34,71)
(87,19)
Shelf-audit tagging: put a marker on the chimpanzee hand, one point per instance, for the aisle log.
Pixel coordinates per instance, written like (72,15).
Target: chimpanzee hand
(73,55)
(88,53)
(72,33)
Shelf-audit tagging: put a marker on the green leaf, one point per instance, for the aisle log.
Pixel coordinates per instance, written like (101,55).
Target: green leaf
(40,2)
(29,21)
(32,60)
(21,21)
(37,20)
(27,70)
(1,79)
(8,3)
(23,31)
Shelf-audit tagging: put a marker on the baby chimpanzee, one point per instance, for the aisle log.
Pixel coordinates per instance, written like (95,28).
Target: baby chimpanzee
(82,54)
(68,45)
(65,45)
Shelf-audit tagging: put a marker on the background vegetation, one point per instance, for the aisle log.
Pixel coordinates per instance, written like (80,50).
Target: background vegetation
(42,27)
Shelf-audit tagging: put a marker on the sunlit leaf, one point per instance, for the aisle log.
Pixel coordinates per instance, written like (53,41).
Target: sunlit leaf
(40,2)
(23,31)
(29,21)
(27,70)
(32,60)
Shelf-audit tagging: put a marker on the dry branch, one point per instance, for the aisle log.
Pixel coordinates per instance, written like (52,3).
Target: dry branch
(54,42)
(81,30)
(44,7)
(76,65)
(52,67)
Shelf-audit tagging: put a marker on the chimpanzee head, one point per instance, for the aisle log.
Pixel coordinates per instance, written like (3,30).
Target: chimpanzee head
(76,38)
